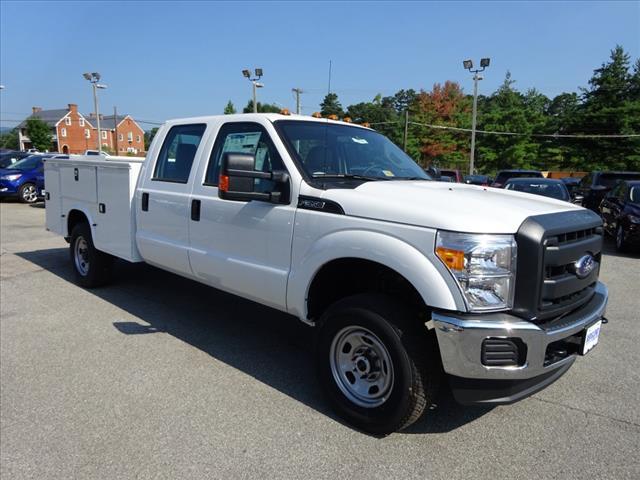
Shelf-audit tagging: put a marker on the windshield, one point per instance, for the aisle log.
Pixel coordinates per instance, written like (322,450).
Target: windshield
(28,163)
(340,151)
(553,190)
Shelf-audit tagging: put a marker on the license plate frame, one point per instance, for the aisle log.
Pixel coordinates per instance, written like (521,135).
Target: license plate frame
(590,337)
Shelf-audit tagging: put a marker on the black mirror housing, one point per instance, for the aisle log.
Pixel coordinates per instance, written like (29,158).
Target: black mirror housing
(237,175)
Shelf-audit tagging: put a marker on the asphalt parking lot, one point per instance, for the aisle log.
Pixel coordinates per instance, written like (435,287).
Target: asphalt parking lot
(160,377)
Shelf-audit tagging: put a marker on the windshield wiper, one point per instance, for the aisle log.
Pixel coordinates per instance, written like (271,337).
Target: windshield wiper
(350,176)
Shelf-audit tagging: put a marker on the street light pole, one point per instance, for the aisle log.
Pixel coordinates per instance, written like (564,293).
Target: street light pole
(468,64)
(255,84)
(94,78)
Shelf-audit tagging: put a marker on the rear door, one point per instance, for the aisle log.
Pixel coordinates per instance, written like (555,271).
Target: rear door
(162,204)
(242,247)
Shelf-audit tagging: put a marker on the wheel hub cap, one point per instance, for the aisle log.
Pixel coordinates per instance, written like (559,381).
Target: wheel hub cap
(81,256)
(361,366)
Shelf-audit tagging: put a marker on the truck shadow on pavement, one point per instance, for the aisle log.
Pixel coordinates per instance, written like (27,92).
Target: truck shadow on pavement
(269,345)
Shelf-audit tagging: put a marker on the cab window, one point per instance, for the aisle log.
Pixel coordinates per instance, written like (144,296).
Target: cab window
(249,138)
(178,152)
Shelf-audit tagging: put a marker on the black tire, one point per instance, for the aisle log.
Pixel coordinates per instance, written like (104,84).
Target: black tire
(622,245)
(93,268)
(413,352)
(28,193)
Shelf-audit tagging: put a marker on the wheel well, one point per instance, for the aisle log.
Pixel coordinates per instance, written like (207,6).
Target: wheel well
(74,218)
(350,276)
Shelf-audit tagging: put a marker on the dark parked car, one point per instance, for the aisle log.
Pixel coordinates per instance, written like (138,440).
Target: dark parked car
(25,179)
(454,175)
(7,158)
(504,175)
(547,187)
(572,185)
(477,180)
(620,212)
(594,186)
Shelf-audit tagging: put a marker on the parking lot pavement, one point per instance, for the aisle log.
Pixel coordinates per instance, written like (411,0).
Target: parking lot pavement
(160,377)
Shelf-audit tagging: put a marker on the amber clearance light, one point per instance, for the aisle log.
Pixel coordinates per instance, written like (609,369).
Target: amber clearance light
(223,184)
(454,259)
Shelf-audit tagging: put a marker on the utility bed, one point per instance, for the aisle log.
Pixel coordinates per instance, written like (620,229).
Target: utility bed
(101,188)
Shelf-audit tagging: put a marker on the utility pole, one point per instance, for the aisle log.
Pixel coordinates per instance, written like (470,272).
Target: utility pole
(298,92)
(468,64)
(406,130)
(115,128)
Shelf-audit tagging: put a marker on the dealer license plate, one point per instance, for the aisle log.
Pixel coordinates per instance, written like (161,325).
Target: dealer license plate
(591,337)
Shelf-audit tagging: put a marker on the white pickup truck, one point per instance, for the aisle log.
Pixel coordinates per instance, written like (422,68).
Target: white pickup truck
(409,282)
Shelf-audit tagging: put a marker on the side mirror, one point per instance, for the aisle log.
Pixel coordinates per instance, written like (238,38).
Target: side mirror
(237,179)
(577,199)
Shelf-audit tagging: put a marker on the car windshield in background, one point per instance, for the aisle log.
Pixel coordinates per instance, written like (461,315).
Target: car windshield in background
(28,163)
(331,151)
(547,189)
(610,180)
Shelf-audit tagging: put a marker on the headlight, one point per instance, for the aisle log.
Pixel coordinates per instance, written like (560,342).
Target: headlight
(634,219)
(484,266)
(12,177)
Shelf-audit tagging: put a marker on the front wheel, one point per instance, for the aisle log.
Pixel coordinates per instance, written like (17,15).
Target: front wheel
(378,368)
(28,193)
(91,266)
(621,241)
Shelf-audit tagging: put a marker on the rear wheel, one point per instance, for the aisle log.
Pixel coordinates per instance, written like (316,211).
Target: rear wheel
(91,266)
(621,242)
(28,193)
(378,368)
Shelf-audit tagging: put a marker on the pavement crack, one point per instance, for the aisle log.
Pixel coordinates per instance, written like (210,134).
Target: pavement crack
(588,412)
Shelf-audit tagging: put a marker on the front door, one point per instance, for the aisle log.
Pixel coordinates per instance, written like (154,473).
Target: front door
(162,204)
(242,247)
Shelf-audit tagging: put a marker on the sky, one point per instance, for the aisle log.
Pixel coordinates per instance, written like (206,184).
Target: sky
(170,59)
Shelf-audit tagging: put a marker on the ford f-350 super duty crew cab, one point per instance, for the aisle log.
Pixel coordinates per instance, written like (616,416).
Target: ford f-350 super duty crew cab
(409,282)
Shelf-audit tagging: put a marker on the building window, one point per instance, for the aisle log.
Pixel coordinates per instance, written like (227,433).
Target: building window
(81,122)
(63,132)
(67,120)
(104,134)
(130,136)
(120,137)
(87,133)
(138,138)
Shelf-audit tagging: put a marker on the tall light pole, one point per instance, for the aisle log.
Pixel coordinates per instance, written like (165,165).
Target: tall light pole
(94,78)
(468,64)
(256,85)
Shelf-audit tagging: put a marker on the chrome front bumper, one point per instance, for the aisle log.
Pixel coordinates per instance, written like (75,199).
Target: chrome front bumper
(460,338)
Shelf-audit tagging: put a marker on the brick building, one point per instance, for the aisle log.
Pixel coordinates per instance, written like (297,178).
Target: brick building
(73,132)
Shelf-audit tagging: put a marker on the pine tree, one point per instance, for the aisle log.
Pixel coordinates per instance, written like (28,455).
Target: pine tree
(230,108)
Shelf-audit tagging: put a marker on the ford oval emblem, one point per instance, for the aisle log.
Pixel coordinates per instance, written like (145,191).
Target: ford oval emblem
(584,266)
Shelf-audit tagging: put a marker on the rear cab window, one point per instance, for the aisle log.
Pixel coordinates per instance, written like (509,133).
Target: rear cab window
(178,152)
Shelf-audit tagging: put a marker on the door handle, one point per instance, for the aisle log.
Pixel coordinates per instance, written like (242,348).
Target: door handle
(145,202)
(195,210)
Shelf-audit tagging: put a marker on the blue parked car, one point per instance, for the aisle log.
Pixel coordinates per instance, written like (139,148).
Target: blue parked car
(25,178)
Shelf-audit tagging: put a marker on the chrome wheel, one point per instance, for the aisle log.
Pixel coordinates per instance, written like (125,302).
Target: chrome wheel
(361,366)
(81,256)
(29,193)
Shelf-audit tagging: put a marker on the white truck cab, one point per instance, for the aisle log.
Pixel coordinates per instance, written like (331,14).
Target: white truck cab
(410,282)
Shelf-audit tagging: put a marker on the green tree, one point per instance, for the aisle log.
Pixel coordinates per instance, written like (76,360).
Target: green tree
(331,106)
(148,137)
(230,108)
(262,108)
(379,113)
(39,133)
(10,139)
(611,106)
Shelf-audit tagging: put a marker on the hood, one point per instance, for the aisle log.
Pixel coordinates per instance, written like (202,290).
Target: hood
(445,206)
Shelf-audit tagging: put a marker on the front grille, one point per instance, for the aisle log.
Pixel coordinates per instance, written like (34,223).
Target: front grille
(547,282)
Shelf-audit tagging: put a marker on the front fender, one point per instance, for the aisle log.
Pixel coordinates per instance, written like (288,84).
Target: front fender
(378,247)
